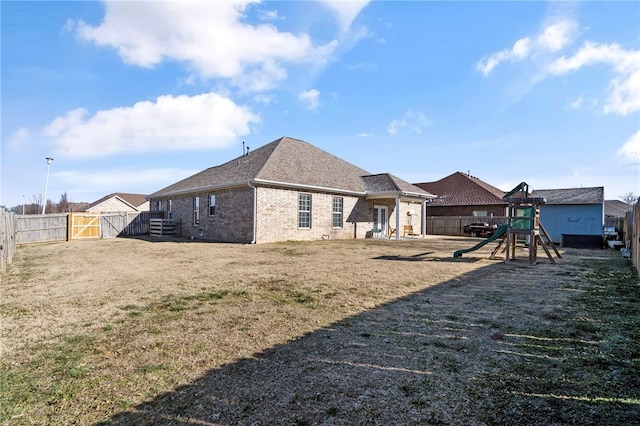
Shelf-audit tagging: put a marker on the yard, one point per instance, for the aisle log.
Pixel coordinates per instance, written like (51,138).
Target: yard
(144,331)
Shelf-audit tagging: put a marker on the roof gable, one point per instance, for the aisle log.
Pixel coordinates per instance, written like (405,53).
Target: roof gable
(460,189)
(593,195)
(133,200)
(616,208)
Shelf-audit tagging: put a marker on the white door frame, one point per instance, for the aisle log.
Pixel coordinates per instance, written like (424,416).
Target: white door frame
(383,219)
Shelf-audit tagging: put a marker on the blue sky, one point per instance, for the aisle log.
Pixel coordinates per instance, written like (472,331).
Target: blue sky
(133,96)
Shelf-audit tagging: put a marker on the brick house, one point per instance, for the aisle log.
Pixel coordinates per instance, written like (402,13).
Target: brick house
(291,190)
(461,194)
(120,202)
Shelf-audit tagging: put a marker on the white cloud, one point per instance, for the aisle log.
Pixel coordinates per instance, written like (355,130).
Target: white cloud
(583,102)
(414,120)
(552,38)
(310,98)
(346,10)
(213,39)
(624,88)
(396,125)
(577,104)
(268,15)
(556,36)
(521,48)
(168,124)
(519,51)
(264,99)
(630,150)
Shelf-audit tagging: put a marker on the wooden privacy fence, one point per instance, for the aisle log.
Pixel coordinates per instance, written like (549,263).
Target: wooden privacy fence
(40,228)
(7,238)
(453,225)
(81,225)
(126,224)
(635,236)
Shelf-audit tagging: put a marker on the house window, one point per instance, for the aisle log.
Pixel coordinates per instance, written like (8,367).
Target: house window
(479,213)
(196,211)
(169,205)
(212,205)
(159,205)
(304,211)
(336,221)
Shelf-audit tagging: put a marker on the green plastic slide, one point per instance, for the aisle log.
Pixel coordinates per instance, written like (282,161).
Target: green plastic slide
(502,229)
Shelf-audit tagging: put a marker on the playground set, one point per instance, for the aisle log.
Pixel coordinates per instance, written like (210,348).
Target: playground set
(523,229)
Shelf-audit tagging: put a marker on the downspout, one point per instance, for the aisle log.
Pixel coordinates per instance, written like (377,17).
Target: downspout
(255,209)
(424,218)
(397,217)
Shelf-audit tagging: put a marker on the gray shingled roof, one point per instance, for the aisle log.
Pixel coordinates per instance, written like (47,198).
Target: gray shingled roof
(298,162)
(290,162)
(593,195)
(461,189)
(616,208)
(386,182)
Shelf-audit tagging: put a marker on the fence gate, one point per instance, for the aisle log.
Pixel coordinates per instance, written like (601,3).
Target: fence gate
(85,225)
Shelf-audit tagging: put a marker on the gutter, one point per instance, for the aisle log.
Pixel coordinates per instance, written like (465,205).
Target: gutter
(388,194)
(311,187)
(197,190)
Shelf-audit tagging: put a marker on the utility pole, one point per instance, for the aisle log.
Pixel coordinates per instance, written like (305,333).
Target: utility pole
(46,185)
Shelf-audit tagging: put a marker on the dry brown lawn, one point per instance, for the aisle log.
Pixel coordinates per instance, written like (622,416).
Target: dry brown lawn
(144,331)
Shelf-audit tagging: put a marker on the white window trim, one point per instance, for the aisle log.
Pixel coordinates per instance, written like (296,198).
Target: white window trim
(196,211)
(333,212)
(209,204)
(310,211)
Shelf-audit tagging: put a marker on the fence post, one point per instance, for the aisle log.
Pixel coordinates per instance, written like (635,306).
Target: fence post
(70,226)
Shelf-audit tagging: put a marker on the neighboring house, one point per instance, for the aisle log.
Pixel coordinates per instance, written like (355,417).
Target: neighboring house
(119,202)
(461,194)
(619,216)
(290,190)
(616,208)
(573,217)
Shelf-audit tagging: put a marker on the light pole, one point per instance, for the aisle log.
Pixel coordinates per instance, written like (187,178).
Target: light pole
(46,185)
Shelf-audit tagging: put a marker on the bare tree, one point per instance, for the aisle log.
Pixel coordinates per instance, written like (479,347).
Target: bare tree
(64,204)
(629,198)
(35,205)
(51,207)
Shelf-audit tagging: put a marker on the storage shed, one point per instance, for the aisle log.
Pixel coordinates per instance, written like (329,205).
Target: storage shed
(573,217)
